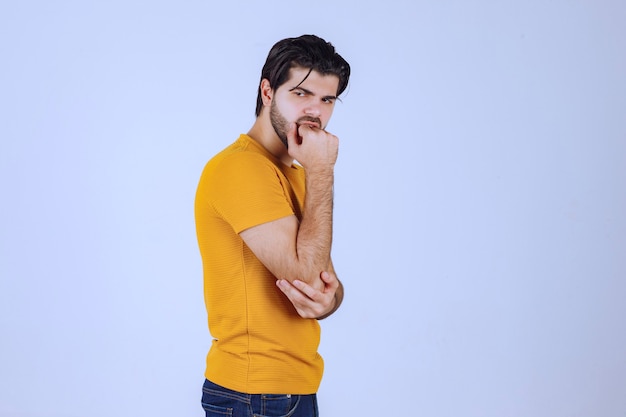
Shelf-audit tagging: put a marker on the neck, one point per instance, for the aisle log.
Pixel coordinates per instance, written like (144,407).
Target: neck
(263,132)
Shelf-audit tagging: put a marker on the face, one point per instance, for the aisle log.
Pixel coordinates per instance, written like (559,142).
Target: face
(305,102)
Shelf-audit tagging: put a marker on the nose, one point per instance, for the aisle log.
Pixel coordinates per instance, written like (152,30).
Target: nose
(313,109)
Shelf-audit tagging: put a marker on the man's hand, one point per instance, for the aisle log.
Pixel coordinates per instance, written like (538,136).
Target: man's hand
(312,147)
(311,303)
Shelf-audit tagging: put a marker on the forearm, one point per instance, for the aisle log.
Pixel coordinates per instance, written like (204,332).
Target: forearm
(314,237)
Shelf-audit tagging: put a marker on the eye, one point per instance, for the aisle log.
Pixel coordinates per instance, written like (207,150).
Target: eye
(328,100)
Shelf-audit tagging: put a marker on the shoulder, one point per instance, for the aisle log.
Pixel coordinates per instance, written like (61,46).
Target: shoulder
(238,160)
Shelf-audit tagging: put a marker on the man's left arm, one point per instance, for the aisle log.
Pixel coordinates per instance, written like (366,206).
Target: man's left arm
(311,303)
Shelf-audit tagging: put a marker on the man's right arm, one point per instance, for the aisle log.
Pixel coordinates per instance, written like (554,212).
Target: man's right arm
(301,250)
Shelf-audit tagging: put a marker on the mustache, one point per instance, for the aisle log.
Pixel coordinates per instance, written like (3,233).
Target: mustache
(315,120)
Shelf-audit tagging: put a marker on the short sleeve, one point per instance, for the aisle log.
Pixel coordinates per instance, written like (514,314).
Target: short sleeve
(248,189)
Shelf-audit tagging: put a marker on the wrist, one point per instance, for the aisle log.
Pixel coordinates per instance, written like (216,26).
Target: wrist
(320,172)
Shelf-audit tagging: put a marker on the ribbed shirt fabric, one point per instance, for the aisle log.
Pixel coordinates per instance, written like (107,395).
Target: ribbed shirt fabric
(260,344)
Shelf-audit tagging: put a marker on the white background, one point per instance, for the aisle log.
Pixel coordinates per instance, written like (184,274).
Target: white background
(480,226)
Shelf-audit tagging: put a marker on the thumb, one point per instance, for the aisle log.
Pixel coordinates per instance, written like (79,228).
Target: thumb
(326,277)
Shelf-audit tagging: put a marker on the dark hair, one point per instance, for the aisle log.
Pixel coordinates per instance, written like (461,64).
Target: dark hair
(306,51)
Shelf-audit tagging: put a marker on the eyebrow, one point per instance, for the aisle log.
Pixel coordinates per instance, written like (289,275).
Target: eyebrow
(309,92)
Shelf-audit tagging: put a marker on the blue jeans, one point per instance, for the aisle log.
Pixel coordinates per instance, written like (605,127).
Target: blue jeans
(218,401)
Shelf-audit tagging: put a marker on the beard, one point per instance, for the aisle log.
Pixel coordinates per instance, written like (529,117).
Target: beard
(279,123)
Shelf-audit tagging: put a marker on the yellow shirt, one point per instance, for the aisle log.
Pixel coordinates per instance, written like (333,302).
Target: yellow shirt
(260,345)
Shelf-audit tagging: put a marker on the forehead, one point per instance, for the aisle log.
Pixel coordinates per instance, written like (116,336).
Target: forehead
(326,85)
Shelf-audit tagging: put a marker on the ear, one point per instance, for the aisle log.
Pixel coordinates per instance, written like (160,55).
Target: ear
(266,92)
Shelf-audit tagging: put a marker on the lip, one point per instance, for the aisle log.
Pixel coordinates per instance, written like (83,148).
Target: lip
(309,123)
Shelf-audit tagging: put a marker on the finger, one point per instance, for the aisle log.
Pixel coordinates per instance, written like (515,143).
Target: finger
(308,290)
(329,279)
(294,295)
(305,130)
(326,277)
(305,307)
(292,135)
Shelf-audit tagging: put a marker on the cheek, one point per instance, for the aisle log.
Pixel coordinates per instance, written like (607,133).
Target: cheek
(326,114)
(290,113)
(284,108)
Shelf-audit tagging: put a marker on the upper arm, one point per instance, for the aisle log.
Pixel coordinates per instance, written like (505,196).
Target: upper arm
(274,244)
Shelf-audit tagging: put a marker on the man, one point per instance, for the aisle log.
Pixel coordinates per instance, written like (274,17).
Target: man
(265,248)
